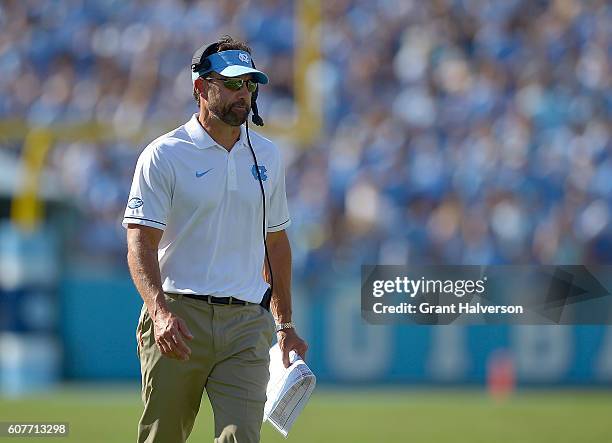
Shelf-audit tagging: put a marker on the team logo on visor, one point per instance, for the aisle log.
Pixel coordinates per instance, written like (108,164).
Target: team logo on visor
(243,57)
(135,202)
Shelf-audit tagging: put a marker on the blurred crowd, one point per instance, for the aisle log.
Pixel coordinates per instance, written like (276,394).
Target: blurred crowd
(456,131)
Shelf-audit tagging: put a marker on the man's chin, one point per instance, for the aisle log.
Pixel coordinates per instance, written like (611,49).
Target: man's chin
(236,117)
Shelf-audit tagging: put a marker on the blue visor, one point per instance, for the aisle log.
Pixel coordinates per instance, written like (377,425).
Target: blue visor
(232,63)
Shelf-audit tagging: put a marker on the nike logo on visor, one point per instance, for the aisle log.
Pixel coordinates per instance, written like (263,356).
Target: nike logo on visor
(200,174)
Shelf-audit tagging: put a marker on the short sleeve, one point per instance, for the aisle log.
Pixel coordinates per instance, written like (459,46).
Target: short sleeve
(278,218)
(151,193)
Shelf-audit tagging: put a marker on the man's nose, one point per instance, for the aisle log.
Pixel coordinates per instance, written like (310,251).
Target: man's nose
(243,91)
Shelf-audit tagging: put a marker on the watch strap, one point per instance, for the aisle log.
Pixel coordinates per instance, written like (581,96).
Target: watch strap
(281,326)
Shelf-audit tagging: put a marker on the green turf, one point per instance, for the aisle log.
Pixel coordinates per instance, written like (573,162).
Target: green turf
(351,416)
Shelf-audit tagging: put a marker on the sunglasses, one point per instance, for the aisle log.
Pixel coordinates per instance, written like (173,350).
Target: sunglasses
(235,84)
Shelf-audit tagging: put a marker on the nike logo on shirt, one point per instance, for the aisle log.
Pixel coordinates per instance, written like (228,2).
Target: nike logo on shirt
(200,174)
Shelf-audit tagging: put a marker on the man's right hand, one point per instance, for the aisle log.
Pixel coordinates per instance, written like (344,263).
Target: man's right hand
(170,332)
(168,329)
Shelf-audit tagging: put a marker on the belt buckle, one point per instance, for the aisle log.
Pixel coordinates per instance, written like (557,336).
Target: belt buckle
(211,302)
(237,302)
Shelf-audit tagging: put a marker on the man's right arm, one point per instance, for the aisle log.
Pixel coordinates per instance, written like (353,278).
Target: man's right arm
(169,330)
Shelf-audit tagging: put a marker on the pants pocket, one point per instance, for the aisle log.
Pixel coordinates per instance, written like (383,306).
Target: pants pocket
(139,341)
(269,318)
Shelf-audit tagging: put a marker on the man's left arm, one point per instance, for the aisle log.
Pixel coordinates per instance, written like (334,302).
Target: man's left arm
(279,252)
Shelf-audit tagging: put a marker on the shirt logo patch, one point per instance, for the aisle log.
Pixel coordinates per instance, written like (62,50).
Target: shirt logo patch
(135,202)
(200,174)
(262,172)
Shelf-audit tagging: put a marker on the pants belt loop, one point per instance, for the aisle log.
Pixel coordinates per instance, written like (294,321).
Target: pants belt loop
(174,295)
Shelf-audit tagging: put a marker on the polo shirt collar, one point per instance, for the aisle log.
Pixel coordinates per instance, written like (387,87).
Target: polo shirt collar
(243,137)
(203,140)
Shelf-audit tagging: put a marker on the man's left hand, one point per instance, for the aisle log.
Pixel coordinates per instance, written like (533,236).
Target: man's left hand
(288,340)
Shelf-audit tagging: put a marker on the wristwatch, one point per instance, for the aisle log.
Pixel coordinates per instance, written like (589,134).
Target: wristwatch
(288,325)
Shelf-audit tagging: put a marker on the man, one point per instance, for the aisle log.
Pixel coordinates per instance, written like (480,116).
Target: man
(196,252)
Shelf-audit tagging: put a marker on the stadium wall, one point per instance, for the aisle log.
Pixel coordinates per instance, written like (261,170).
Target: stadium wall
(99,316)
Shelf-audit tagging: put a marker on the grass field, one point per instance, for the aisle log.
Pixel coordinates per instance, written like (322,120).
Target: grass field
(350,416)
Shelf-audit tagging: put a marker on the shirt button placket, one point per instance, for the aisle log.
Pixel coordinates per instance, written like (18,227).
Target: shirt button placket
(231,173)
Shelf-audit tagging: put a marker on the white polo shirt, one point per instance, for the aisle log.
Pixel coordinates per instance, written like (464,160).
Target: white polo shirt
(208,203)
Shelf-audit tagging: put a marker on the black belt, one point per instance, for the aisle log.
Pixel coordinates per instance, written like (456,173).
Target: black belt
(265,301)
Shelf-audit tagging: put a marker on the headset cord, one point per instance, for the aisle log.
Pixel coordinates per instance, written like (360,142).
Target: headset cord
(263,193)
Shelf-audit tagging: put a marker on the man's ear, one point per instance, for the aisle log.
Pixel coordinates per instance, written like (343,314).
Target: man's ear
(199,86)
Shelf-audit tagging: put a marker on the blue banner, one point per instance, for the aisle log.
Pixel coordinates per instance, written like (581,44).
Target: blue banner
(100,317)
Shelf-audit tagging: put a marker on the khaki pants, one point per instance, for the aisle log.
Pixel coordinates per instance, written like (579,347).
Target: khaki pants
(229,359)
